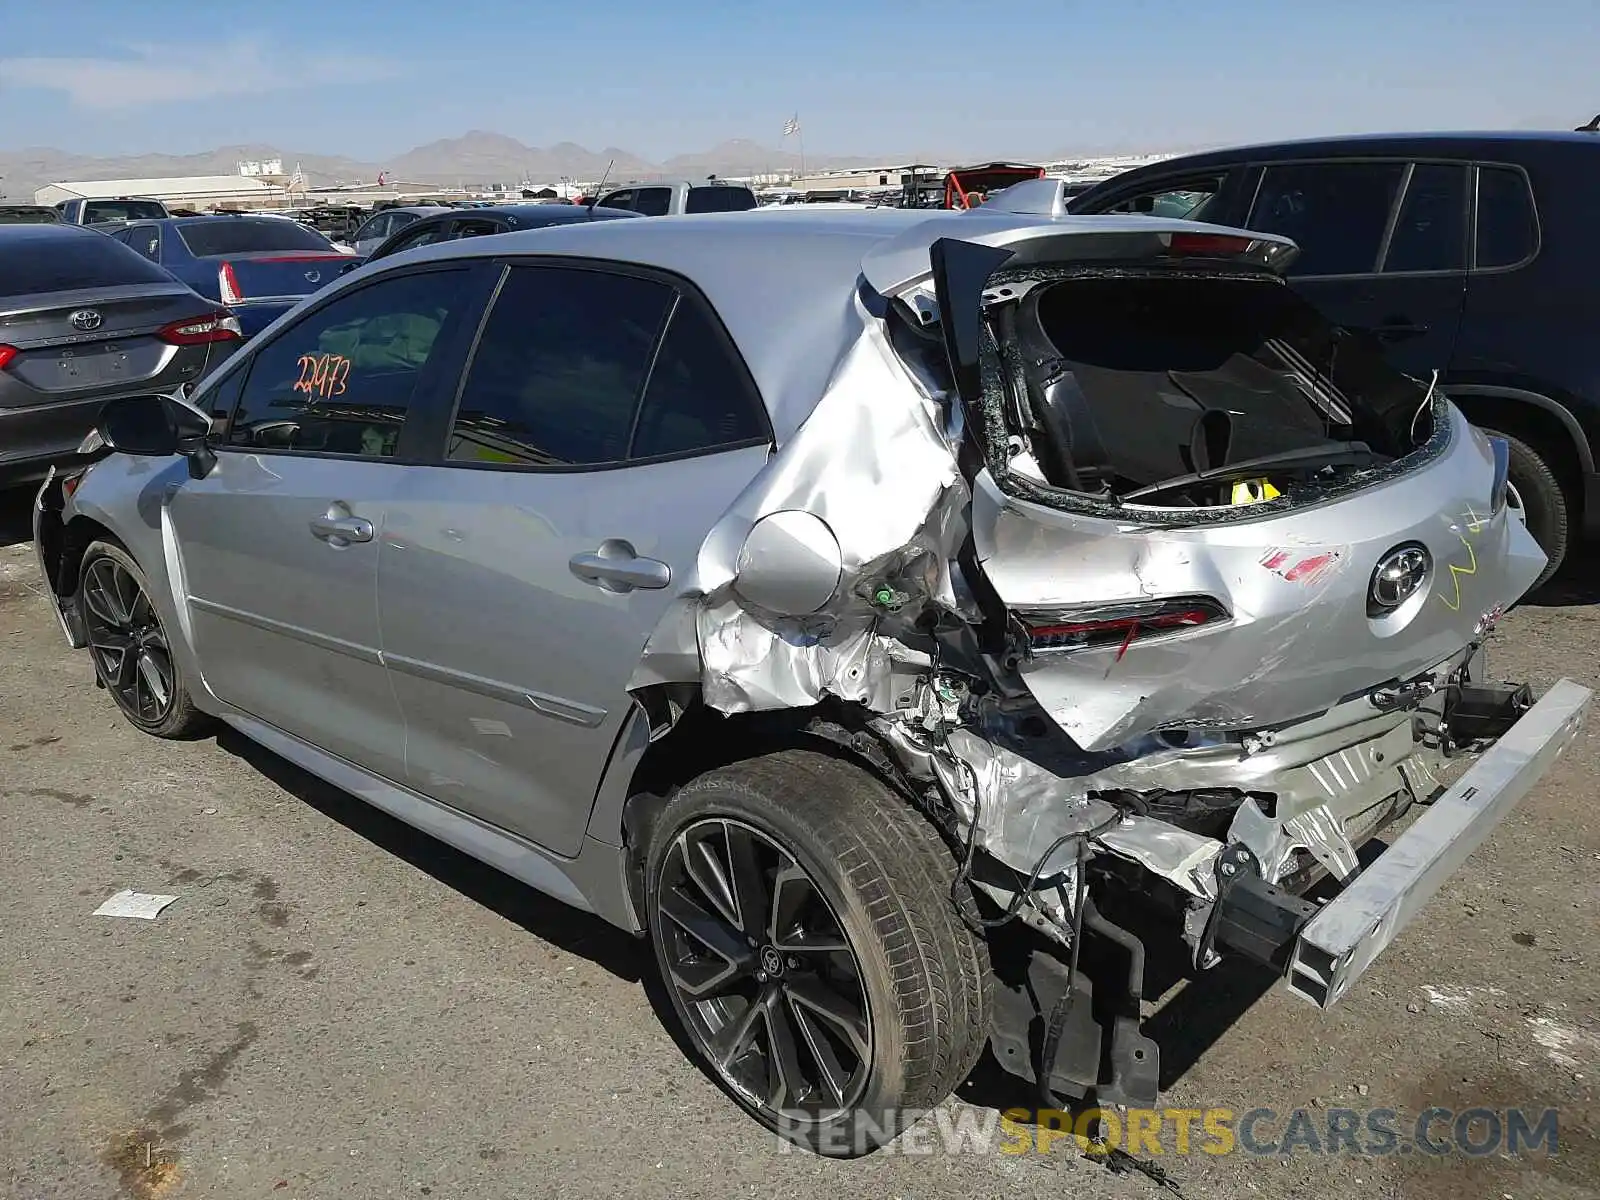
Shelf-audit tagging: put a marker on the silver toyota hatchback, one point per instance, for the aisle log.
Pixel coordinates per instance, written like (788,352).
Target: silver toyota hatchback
(872,609)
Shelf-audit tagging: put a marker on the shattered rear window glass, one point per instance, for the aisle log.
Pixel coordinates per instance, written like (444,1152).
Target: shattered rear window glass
(1163,377)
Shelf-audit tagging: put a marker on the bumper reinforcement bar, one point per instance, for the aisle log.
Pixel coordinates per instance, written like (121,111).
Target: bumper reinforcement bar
(1349,932)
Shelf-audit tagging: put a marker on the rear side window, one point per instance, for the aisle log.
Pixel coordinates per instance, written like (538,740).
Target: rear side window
(216,236)
(342,380)
(719,199)
(698,398)
(80,260)
(1430,234)
(1335,212)
(653,202)
(1182,198)
(1508,230)
(559,369)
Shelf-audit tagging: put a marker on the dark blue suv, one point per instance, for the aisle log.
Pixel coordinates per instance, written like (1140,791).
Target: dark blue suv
(1470,254)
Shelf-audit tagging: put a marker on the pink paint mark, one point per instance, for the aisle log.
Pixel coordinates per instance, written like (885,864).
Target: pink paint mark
(1310,568)
(1307,570)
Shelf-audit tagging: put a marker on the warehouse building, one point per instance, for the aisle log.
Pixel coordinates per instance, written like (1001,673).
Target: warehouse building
(199,192)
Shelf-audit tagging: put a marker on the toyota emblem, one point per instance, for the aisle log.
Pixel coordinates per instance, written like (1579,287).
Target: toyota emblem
(313,276)
(85,319)
(1399,575)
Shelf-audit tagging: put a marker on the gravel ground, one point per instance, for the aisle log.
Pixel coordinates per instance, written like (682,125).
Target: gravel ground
(336,1006)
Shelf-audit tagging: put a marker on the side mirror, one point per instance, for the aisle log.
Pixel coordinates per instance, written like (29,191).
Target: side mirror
(158,426)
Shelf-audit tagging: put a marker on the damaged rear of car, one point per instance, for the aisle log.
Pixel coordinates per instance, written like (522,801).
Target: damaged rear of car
(1153,591)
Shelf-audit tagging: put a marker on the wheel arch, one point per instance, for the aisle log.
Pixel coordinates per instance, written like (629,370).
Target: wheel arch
(1534,416)
(644,774)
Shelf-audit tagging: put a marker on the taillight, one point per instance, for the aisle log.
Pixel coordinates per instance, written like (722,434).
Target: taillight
(1118,625)
(7,353)
(228,285)
(1215,245)
(198,331)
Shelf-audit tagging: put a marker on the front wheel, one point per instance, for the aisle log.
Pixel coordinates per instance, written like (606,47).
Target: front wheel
(129,646)
(802,920)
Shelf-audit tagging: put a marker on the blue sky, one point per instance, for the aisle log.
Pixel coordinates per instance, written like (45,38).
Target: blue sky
(870,77)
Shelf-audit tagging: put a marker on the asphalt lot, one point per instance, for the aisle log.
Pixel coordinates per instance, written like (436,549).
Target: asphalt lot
(338,1007)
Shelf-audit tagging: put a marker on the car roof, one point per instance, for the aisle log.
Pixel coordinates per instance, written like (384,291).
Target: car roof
(785,280)
(1445,143)
(46,232)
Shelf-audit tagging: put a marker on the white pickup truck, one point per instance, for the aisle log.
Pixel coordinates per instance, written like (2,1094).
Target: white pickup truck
(80,211)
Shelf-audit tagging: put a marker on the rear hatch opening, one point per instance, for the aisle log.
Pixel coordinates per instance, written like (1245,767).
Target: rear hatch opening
(1199,386)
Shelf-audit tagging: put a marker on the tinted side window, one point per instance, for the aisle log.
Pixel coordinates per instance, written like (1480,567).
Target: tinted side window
(1184,198)
(1431,232)
(1508,231)
(653,202)
(719,199)
(558,371)
(426,236)
(341,380)
(618,200)
(146,239)
(698,398)
(377,227)
(1335,212)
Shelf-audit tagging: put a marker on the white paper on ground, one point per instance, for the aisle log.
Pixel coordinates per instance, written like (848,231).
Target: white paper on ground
(133,904)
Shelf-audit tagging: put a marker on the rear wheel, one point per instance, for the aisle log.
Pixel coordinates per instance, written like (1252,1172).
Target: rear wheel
(1536,498)
(803,926)
(128,644)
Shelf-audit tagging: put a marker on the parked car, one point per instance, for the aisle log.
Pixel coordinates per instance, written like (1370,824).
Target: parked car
(681,197)
(28,214)
(452,224)
(81,211)
(840,589)
(84,320)
(1468,254)
(382,225)
(256,266)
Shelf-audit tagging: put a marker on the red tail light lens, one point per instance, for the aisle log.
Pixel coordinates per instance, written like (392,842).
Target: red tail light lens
(228,285)
(7,353)
(1214,245)
(199,331)
(1118,625)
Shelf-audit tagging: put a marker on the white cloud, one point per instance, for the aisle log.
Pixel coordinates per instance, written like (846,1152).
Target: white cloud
(173,73)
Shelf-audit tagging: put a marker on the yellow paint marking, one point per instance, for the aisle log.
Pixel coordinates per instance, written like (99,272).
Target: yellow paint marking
(1457,572)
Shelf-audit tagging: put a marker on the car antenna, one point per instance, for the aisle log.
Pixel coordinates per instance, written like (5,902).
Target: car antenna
(600,187)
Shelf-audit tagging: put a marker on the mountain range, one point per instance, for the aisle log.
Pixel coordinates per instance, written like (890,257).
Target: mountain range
(474,157)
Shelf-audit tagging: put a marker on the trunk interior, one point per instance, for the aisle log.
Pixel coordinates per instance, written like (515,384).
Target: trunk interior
(1169,388)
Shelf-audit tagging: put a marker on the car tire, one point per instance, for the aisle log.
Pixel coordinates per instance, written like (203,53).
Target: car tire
(829,856)
(128,645)
(1544,503)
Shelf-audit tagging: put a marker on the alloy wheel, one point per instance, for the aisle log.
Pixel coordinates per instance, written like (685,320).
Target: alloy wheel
(129,646)
(764,973)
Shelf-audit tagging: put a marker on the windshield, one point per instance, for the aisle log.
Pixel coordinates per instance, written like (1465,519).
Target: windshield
(214,236)
(97,211)
(70,263)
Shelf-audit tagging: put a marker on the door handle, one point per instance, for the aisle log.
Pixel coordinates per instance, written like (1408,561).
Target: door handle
(615,567)
(338,528)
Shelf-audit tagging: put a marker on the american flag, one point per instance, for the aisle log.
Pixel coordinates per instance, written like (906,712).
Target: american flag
(791,126)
